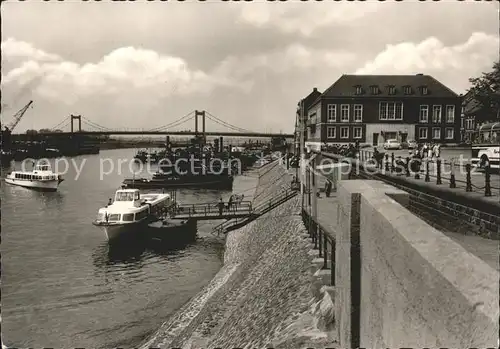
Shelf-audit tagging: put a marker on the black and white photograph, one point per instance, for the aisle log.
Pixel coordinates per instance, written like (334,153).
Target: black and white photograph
(255,174)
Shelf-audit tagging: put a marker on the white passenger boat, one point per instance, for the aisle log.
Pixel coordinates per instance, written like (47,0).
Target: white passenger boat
(130,211)
(41,178)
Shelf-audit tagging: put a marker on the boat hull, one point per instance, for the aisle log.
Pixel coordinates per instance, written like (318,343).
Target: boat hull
(116,231)
(173,232)
(36,185)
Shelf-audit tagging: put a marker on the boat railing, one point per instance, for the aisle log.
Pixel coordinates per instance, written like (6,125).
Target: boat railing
(240,208)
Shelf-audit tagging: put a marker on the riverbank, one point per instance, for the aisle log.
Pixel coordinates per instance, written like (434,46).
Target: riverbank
(265,294)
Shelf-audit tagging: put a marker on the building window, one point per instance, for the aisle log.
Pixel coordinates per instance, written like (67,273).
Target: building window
(469,124)
(374,89)
(462,122)
(424,90)
(436,114)
(359,90)
(450,133)
(424,114)
(450,114)
(331,132)
(422,133)
(344,116)
(332,112)
(392,90)
(436,133)
(344,132)
(391,111)
(357,132)
(408,90)
(358,113)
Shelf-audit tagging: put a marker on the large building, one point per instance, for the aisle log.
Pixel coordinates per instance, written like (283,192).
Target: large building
(301,116)
(374,108)
(473,116)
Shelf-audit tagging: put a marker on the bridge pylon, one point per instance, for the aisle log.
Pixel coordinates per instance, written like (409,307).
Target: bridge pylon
(79,118)
(202,114)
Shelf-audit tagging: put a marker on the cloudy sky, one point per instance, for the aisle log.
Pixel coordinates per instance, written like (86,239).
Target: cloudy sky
(145,64)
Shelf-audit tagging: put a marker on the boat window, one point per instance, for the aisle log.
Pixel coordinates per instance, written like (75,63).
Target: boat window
(114,217)
(136,195)
(17,175)
(124,196)
(141,215)
(128,217)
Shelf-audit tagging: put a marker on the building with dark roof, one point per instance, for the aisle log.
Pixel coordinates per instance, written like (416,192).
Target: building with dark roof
(300,124)
(374,108)
(474,114)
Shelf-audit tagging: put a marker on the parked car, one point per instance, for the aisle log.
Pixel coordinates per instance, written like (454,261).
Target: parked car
(392,144)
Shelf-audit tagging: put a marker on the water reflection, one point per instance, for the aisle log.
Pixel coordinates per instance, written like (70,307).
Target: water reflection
(134,251)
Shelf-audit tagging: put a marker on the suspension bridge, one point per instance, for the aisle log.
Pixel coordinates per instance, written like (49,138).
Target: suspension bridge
(77,124)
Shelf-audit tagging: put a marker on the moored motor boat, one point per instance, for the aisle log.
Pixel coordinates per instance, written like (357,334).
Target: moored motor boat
(41,178)
(130,212)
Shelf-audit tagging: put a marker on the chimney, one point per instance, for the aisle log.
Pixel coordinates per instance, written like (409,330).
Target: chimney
(315,89)
(420,74)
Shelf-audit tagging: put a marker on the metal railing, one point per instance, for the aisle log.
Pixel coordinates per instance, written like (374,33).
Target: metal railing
(432,168)
(324,242)
(206,209)
(259,210)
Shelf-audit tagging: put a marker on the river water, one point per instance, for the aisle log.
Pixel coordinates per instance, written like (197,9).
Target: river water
(62,285)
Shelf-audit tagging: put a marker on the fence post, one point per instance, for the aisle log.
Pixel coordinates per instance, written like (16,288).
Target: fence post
(407,167)
(438,177)
(487,185)
(452,174)
(468,182)
(386,162)
(325,251)
(320,241)
(427,178)
(392,162)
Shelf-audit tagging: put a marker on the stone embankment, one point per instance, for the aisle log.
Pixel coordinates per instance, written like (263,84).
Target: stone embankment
(266,294)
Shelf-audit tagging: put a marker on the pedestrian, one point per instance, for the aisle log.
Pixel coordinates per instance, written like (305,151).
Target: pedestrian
(221,206)
(229,203)
(328,188)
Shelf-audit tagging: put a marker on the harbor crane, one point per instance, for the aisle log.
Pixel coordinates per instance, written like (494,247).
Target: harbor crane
(18,116)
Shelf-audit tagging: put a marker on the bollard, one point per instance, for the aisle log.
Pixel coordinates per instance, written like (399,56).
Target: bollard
(468,184)
(427,178)
(386,162)
(392,162)
(452,174)
(407,167)
(438,177)
(487,185)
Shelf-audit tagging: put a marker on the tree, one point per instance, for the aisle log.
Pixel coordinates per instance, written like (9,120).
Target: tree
(486,90)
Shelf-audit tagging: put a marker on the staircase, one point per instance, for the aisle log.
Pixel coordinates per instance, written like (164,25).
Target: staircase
(258,211)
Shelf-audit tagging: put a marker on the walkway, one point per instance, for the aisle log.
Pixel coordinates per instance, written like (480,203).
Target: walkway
(485,249)
(209,211)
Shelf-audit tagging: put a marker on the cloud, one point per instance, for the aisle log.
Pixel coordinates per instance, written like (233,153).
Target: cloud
(304,18)
(21,51)
(453,65)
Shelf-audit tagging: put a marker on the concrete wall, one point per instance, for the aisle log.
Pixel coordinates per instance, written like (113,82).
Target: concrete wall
(266,294)
(402,283)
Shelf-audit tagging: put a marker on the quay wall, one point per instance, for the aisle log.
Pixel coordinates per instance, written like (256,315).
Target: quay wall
(402,283)
(266,294)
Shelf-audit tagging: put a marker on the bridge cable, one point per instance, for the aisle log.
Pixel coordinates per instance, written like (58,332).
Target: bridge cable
(94,124)
(226,123)
(175,122)
(234,128)
(210,116)
(66,119)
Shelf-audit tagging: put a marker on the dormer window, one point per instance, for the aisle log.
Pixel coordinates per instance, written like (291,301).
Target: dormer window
(408,90)
(374,89)
(392,90)
(359,89)
(425,91)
